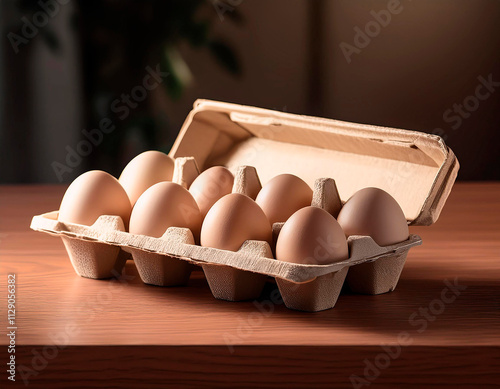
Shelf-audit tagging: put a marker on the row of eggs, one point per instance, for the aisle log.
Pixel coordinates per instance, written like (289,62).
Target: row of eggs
(149,203)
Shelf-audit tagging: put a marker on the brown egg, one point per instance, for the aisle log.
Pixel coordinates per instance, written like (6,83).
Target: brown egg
(165,205)
(210,186)
(232,220)
(374,212)
(311,236)
(282,196)
(93,194)
(144,171)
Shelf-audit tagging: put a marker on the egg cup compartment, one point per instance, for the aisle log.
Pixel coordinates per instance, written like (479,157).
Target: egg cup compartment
(164,270)
(377,277)
(322,292)
(95,260)
(90,259)
(313,296)
(230,284)
(161,270)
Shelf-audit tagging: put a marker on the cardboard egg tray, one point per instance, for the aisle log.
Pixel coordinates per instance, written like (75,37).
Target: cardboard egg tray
(99,251)
(417,169)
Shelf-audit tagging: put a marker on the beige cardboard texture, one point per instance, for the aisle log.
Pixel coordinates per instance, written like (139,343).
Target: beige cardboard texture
(97,260)
(230,284)
(317,295)
(417,169)
(377,277)
(160,269)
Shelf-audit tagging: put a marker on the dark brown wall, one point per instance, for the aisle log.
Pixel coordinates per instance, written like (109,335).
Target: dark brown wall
(428,58)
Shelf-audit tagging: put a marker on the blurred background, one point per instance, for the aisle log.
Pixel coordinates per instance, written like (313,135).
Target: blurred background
(132,70)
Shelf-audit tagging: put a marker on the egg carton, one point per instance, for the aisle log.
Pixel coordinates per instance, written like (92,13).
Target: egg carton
(101,250)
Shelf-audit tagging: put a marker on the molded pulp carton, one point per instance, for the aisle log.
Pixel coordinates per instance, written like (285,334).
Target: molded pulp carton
(335,158)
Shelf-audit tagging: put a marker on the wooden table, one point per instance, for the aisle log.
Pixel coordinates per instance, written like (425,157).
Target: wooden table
(115,333)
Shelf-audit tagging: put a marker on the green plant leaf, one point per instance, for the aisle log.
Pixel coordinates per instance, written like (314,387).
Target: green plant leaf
(173,83)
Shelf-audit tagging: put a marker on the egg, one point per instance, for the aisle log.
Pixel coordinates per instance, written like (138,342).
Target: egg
(91,195)
(311,236)
(375,213)
(145,170)
(232,220)
(210,186)
(164,205)
(284,194)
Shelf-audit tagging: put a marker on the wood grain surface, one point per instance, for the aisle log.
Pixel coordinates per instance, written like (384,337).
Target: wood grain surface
(184,336)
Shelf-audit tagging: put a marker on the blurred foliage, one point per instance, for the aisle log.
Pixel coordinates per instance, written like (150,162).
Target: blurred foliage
(119,39)
(133,30)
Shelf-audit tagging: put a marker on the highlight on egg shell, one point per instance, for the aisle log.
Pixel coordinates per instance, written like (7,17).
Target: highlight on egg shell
(375,213)
(232,220)
(210,186)
(93,194)
(311,236)
(145,170)
(284,194)
(164,205)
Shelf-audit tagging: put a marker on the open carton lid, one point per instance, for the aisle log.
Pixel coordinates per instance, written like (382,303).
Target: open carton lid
(417,169)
